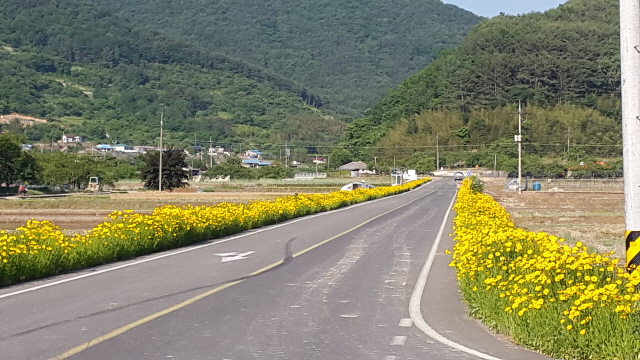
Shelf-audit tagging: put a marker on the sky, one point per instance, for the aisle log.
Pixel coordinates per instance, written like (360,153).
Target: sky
(490,8)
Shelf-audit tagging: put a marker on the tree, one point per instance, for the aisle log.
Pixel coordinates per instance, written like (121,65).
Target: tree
(231,167)
(75,170)
(15,164)
(173,173)
(412,127)
(339,157)
(421,162)
(275,171)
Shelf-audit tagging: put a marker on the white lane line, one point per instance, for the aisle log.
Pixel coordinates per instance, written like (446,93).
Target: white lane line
(406,323)
(399,340)
(180,251)
(416,299)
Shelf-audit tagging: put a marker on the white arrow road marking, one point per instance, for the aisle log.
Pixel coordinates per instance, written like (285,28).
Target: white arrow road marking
(227,254)
(234,256)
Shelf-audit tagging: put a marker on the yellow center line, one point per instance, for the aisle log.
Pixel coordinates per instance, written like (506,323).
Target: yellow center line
(192,300)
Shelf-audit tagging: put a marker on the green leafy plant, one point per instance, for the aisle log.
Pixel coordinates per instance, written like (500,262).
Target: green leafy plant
(173,173)
(477,186)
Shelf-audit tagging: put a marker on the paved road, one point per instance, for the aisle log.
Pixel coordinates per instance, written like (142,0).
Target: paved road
(346,284)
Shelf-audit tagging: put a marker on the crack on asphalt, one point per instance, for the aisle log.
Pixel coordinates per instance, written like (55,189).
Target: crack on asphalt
(288,258)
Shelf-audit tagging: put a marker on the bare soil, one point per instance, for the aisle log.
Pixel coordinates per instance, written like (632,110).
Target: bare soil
(594,218)
(78,213)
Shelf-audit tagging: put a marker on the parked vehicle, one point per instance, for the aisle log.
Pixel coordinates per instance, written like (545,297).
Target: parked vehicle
(357,185)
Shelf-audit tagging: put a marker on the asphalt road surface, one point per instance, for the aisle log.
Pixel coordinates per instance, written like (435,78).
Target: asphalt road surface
(369,281)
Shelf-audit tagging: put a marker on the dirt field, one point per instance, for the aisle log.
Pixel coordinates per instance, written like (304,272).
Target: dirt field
(83,212)
(594,218)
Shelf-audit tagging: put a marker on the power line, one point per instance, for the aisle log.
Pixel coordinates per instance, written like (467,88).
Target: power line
(413,146)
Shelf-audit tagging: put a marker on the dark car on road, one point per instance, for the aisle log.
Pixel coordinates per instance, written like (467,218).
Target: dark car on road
(458,176)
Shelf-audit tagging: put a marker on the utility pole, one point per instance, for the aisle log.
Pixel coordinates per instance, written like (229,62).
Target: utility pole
(519,140)
(160,167)
(286,155)
(210,153)
(568,138)
(437,152)
(630,61)
(495,165)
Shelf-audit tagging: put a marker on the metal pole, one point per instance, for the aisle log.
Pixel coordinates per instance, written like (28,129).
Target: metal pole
(160,167)
(495,165)
(519,147)
(630,61)
(437,152)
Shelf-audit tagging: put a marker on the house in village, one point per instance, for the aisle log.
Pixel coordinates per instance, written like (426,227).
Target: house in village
(144,149)
(71,139)
(121,147)
(254,163)
(252,154)
(104,148)
(319,160)
(355,168)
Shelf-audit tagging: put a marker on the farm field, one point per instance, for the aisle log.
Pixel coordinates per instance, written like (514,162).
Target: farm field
(83,212)
(594,218)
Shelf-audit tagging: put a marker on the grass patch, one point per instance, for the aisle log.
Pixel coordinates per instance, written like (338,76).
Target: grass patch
(71,120)
(225,115)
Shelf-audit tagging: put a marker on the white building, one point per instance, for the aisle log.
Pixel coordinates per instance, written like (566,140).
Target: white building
(66,139)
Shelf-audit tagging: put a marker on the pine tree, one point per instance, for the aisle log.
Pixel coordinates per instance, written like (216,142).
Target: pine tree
(173,173)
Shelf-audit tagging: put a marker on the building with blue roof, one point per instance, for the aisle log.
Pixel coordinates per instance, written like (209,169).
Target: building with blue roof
(254,163)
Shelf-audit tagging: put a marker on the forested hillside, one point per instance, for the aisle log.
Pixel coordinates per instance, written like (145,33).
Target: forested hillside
(351,52)
(563,65)
(78,65)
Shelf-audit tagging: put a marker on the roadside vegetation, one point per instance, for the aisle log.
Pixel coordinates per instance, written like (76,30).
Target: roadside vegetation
(561,300)
(40,249)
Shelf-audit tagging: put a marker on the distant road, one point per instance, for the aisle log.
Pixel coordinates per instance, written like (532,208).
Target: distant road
(337,285)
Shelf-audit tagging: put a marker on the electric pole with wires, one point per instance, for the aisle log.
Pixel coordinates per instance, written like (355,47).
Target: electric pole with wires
(630,70)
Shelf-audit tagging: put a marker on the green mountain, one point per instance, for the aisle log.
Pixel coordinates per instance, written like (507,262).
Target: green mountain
(563,64)
(351,51)
(80,66)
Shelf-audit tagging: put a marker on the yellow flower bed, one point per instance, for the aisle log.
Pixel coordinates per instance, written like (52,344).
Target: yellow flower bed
(40,249)
(562,300)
